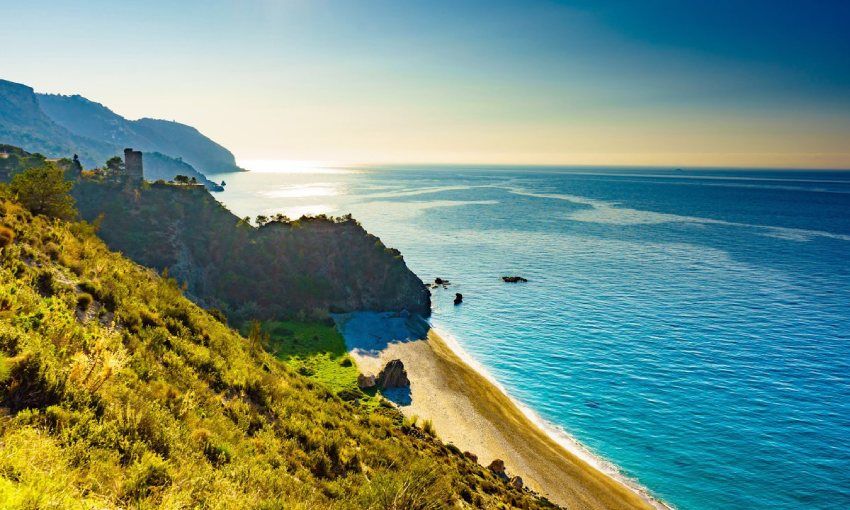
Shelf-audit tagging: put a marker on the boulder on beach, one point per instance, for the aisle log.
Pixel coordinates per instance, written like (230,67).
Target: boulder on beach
(393,375)
(516,482)
(458,298)
(364,382)
(514,279)
(497,466)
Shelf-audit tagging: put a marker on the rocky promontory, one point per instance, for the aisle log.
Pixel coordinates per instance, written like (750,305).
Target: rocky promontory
(307,267)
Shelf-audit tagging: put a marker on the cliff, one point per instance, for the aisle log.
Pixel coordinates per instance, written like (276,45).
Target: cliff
(308,267)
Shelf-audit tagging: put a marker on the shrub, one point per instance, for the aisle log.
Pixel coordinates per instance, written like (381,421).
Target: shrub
(44,190)
(7,236)
(4,369)
(53,251)
(150,472)
(418,487)
(31,383)
(84,301)
(428,427)
(218,315)
(44,283)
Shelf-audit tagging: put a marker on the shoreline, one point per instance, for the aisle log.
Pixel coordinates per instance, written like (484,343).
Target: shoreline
(555,433)
(471,410)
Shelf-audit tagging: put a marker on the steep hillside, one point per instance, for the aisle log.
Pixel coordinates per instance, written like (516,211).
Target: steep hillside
(93,120)
(301,268)
(24,124)
(188,143)
(117,392)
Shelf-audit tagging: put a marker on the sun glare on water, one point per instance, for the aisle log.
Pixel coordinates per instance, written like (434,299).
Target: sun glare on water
(286,166)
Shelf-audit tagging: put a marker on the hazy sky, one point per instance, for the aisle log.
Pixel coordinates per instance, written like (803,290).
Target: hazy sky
(657,82)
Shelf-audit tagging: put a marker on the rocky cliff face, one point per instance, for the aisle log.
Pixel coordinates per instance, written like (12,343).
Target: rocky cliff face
(306,268)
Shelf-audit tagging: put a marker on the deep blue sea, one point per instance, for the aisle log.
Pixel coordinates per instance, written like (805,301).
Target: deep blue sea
(691,327)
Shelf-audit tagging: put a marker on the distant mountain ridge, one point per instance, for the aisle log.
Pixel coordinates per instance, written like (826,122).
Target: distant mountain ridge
(57,125)
(93,120)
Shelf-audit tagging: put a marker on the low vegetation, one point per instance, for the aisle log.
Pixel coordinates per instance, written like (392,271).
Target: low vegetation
(116,391)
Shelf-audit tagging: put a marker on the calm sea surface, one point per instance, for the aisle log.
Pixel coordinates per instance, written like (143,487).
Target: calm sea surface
(691,327)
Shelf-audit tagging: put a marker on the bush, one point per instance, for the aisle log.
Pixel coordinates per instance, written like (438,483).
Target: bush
(218,315)
(418,487)
(45,283)
(150,472)
(428,427)
(84,301)
(44,190)
(7,236)
(30,383)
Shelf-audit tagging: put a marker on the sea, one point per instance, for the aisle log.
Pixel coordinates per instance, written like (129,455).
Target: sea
(692,327)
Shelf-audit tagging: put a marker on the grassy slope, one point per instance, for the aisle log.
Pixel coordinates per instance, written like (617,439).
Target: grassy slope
(315,350)
(116,391)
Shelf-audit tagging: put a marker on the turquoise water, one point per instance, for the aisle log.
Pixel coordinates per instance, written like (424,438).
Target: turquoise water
(691,327)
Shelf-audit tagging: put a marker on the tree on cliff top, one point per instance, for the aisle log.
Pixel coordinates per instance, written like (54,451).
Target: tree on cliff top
(44,190)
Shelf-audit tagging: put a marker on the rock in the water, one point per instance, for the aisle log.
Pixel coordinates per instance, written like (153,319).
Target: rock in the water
(514,279)
(364,382)
(516,482)
(458,298)
(393,376)
(440,281)
(497,466)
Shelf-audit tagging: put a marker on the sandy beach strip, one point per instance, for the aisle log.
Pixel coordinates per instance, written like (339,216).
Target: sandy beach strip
(474,414)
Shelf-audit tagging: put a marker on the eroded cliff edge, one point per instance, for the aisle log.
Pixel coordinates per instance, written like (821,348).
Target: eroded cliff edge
(308,267)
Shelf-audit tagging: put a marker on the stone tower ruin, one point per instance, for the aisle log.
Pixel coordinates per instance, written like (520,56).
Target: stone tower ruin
(133,165)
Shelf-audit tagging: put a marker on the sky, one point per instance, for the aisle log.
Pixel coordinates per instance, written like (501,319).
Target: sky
(750,83)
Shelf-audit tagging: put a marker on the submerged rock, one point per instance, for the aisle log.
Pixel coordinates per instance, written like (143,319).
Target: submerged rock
(458,298)
(393,375)
(514,279)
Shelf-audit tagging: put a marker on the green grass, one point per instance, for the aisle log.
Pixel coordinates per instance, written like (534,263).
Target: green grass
(317,350)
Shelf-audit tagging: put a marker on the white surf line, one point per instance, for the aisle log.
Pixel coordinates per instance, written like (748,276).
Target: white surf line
(558,434)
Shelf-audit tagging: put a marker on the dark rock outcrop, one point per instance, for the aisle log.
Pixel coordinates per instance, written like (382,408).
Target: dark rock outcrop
(514,279)
(393,375)
(458,298)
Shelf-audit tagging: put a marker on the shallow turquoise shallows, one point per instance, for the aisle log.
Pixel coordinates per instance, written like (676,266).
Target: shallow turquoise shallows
(691,327)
